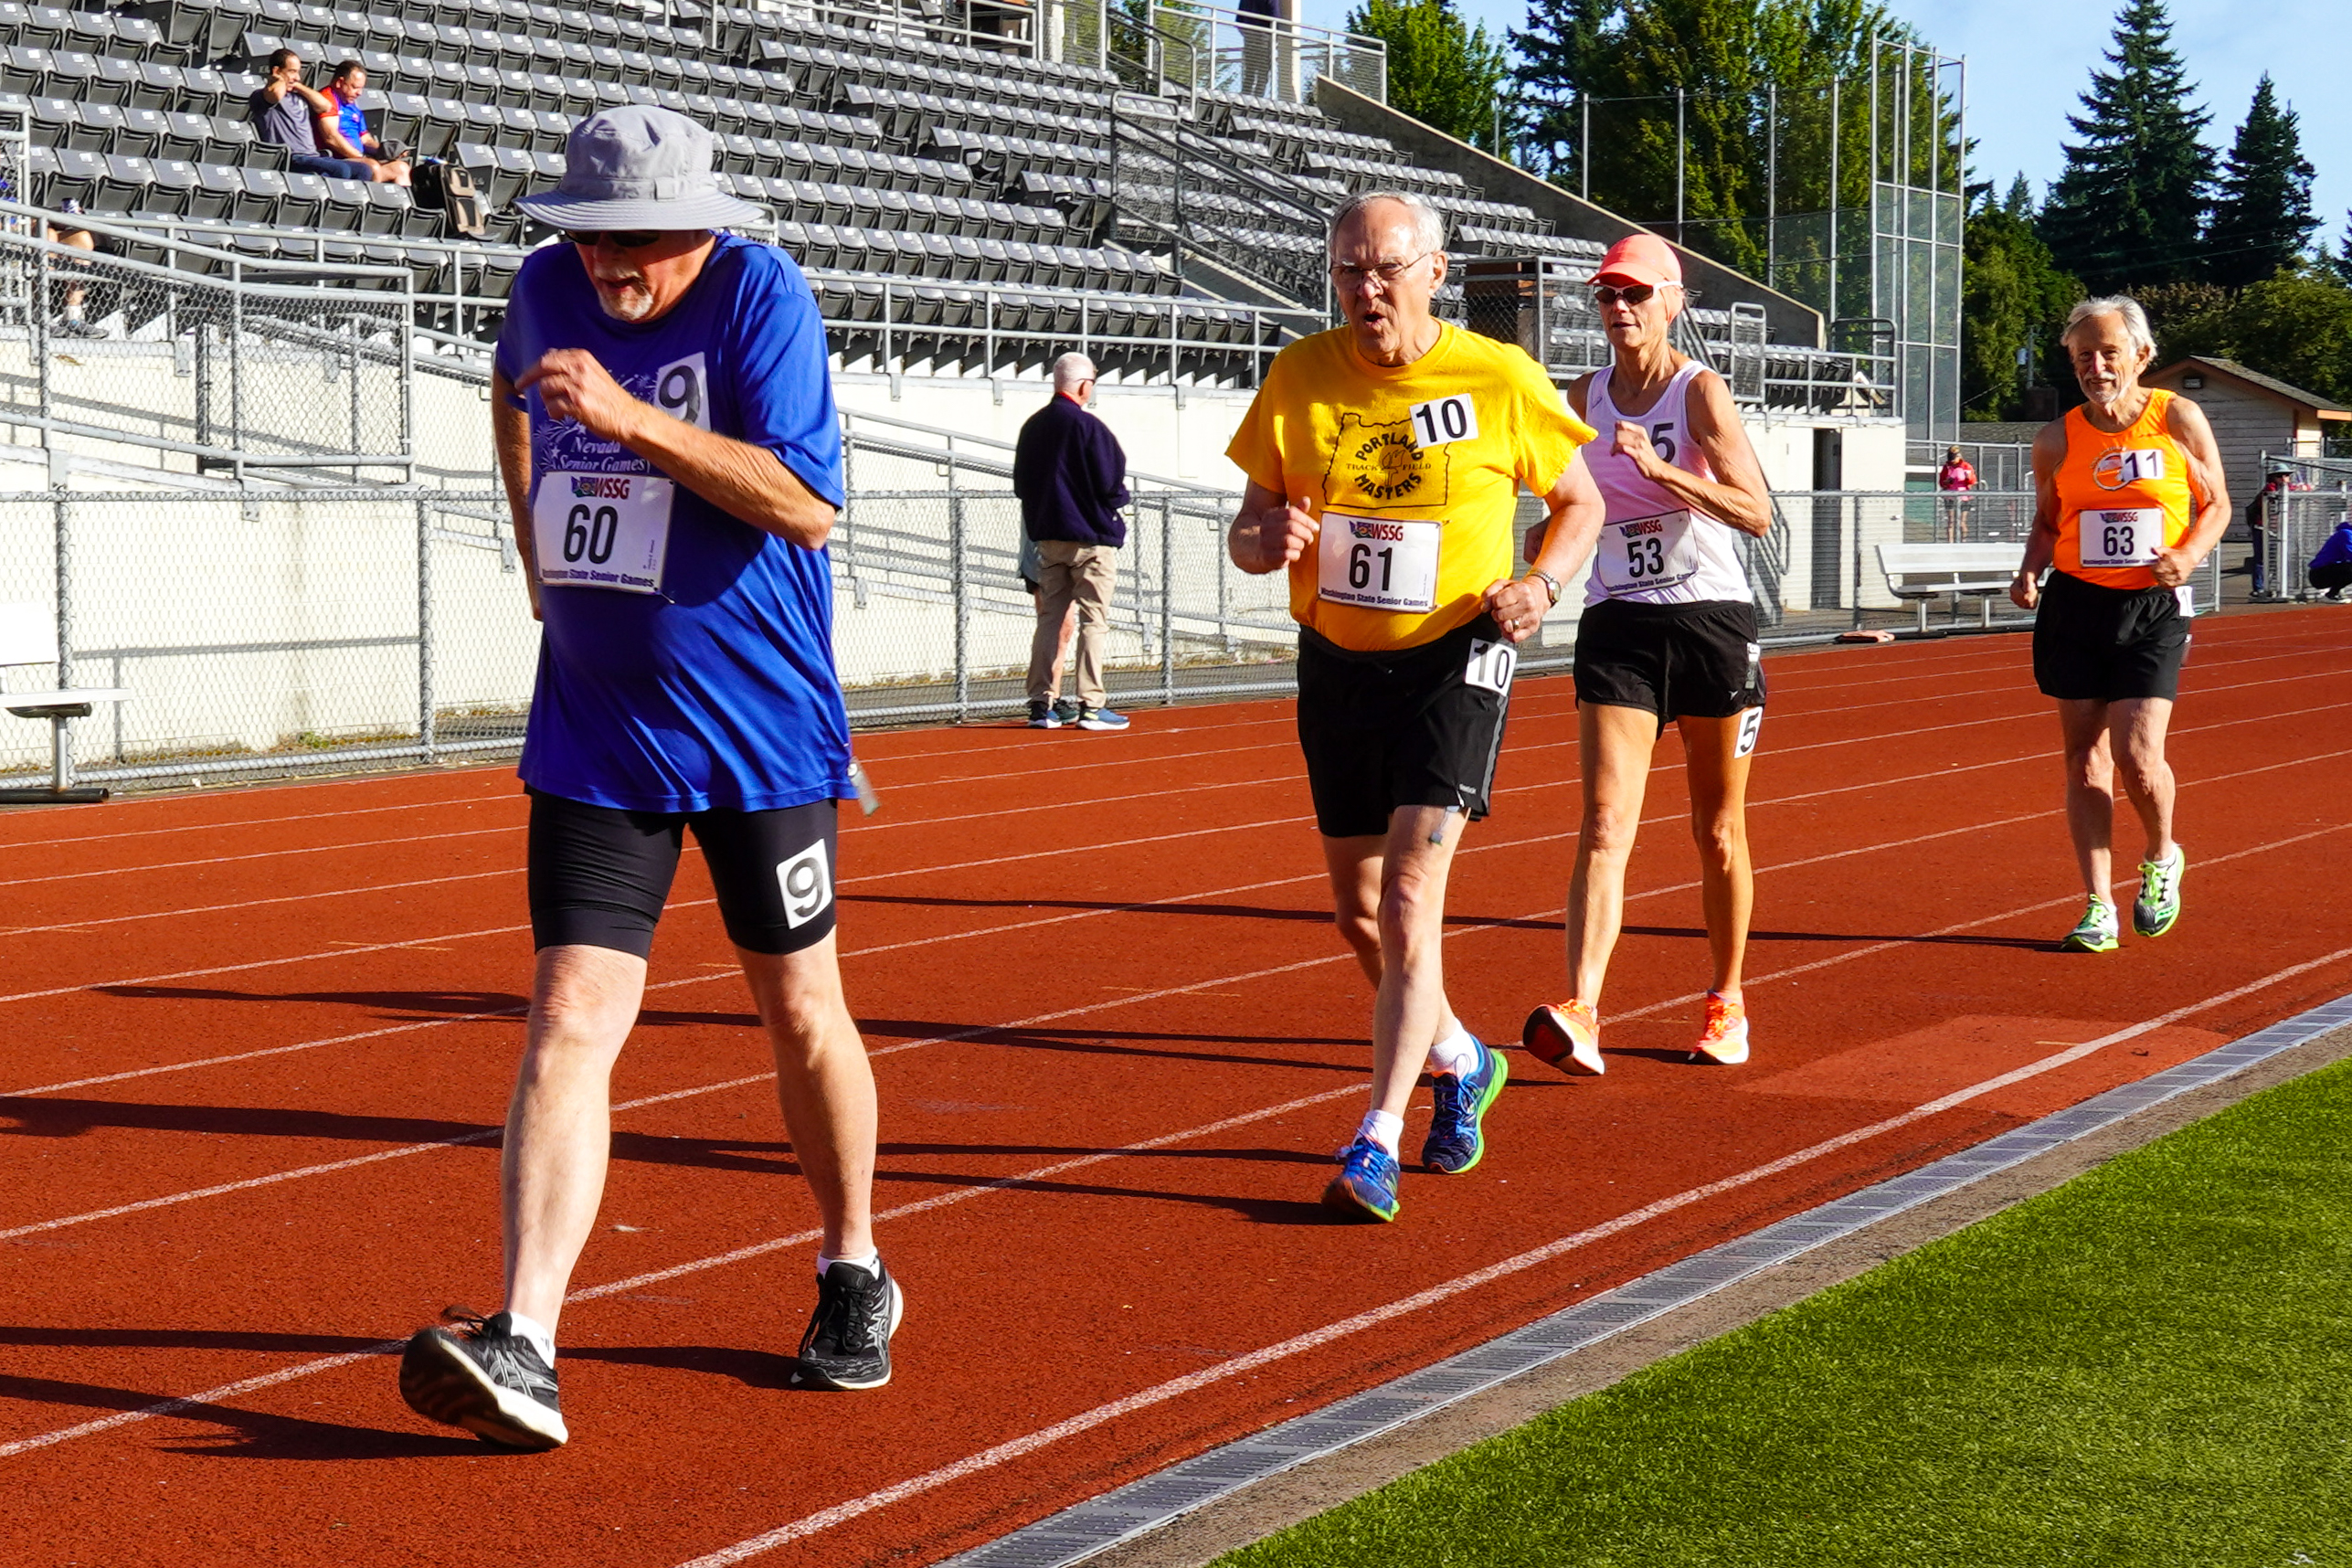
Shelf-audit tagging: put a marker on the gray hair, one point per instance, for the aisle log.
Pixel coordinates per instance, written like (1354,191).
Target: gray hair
(1071,370)
(2123,308)
(1428,223)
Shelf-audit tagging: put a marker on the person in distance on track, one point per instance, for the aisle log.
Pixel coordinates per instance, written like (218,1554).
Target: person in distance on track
(1668,635)
(1384,461)
(2129,497)
(665,427)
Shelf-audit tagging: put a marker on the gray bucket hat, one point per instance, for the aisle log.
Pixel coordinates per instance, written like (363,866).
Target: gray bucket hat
(638,166)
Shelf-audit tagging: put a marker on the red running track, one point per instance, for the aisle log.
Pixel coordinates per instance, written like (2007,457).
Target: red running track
(256,1048)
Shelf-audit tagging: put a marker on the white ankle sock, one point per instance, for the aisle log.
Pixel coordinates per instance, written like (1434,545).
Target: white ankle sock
(1382,1128)
(1457,1053)
(541,1338)
(871,1262)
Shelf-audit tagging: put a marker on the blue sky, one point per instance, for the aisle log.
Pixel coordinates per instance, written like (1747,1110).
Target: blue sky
(2029,59)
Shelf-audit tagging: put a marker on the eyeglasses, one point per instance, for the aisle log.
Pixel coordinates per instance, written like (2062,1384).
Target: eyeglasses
(627,239)
(1634,294)
(1387,271)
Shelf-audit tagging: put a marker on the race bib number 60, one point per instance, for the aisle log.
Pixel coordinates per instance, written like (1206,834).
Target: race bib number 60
(602,530)
(1377,563)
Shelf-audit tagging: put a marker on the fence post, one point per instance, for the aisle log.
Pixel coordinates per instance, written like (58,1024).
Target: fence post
(426,717)
(60,730)
(960,587)
(1167,601)
(1858,560)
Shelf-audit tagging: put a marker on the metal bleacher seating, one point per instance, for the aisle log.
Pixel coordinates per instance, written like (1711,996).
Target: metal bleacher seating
(928,186)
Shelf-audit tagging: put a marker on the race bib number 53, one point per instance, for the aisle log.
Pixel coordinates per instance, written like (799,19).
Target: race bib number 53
(602,530)
(1377,563)
(1646,553)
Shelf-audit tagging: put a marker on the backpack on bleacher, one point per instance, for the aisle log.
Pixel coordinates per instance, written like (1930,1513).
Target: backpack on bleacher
(448,189)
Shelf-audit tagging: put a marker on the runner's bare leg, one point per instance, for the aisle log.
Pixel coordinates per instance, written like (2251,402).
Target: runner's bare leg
(824,1083)
(1615,745)
(2136,735)
(1355,866)
(1719,793)
(1411,1005)
(2090,791)
(583,1001)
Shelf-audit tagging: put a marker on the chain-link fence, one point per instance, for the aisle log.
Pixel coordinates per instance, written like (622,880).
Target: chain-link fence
(280,631)
(2298,523)
(201,360)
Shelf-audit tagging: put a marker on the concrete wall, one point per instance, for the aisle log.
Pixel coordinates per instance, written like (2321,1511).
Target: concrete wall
(1786,320)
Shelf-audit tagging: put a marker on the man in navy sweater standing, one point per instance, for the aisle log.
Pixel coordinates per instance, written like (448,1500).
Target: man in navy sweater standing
(1071,476)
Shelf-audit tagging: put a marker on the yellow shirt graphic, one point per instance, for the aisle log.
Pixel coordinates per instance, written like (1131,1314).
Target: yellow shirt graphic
(1382,454)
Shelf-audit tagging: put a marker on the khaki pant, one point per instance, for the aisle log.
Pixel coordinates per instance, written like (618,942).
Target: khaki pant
(1079,574)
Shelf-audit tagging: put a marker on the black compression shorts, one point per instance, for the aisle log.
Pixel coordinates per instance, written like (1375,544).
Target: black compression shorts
(2094,643)
(1673,660)
(600,876)
(1407,727)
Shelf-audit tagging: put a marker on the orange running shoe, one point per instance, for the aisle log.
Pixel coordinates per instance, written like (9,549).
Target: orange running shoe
(1725,1038)
(1568,1037)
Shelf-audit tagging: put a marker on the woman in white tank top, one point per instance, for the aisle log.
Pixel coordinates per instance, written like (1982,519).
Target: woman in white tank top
(1669,633)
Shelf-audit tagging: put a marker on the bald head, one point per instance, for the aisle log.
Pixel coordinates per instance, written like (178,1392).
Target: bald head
(1071,371)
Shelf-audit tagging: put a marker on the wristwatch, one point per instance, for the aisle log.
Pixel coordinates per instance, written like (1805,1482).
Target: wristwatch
(1551,584)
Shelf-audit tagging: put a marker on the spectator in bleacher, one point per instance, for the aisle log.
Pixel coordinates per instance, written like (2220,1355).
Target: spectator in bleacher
(72,321)
(1257,19)
(665,427)
(1071,475)
(344,133)
(287,112)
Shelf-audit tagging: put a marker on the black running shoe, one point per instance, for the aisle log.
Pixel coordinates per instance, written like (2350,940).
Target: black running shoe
(848,1342)
(486,1378)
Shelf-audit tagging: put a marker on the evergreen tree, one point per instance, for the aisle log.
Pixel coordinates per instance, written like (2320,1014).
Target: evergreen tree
(2131,206)
(2263,214)
(2012,296)
(1629,57)
(1441,72)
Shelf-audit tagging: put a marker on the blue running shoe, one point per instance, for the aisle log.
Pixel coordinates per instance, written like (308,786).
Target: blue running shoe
(1454,1141)
(1100,719)
(1365,1187)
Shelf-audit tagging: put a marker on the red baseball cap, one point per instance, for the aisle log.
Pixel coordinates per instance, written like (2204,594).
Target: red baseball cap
(1640,259)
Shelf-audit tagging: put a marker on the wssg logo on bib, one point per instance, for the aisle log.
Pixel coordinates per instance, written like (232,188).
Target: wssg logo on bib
(600,487)
(1361,528)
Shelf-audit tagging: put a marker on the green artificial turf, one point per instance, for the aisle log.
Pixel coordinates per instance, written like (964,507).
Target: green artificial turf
(2151,1365)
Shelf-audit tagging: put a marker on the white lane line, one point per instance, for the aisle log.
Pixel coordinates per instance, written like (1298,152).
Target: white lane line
(261,855)
(634,1282)
(1178,899)
(236,823)
(1315,1339)
(104,920)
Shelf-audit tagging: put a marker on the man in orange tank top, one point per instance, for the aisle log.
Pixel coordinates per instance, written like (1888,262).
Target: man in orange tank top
(2129,498)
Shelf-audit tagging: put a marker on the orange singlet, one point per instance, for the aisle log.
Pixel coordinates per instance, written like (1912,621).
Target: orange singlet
(2121,498)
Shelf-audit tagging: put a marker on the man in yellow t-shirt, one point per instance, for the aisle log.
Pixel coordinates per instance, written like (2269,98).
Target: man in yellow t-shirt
(1384,461)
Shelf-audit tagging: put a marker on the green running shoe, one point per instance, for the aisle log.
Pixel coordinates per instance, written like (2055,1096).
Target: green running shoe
(2159,905)
(2095,932)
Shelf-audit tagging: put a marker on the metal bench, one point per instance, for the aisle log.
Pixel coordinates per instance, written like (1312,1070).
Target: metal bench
(1921,572)
(29,637)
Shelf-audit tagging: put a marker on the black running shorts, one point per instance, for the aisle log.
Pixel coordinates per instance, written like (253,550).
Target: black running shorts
(600,876)
(1407,727)
(1672,661)
(2093,643)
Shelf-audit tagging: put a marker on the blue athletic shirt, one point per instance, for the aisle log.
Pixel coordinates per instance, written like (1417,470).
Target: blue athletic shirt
(720,690)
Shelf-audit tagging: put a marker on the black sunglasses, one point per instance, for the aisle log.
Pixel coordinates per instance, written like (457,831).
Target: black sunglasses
(625,238)
(1632,294)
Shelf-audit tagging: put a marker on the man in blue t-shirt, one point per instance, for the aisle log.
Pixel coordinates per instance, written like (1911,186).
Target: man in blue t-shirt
(665,427)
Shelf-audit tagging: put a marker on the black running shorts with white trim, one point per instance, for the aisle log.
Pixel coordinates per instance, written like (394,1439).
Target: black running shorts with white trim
(1672,661)
(1404,727)
(2095,644)
(600,876)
